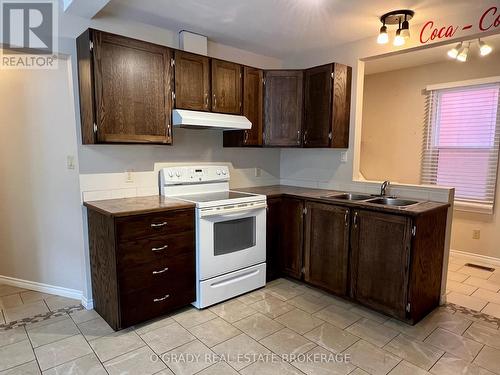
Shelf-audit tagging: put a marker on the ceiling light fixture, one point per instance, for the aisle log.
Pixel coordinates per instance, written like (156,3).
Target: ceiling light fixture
(396,17)
(462,56)
(461,51)
(484,49)
(453,53)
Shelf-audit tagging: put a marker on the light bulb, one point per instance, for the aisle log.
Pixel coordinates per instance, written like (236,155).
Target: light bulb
(383,37)
(462,56)
(405,29)
(453,53)
(398,39)
(484,49)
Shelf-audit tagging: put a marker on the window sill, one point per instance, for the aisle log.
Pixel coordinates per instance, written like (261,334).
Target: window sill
(477,208)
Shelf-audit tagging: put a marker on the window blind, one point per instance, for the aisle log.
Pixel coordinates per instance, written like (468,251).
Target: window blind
(461,141)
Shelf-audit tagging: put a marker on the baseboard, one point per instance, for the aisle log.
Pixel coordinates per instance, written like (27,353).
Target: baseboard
(44,288)
(87,303)
(476,258)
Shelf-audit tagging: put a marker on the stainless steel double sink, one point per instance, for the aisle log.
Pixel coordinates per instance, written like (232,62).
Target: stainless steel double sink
(385,201)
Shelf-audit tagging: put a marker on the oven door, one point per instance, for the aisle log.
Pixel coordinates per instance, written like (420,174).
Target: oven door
(231,239)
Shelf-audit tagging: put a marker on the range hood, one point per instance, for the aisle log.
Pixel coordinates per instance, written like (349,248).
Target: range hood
(207,120)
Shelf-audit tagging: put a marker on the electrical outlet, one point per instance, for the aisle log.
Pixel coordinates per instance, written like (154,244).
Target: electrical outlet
(258,172)
(129,176)
(343,156)
(476,234)
(70,162)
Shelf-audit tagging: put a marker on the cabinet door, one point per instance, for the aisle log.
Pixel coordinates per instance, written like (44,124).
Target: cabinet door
(273,233)
(318,106)
(291,241)
(192,81)
(253,95)
(133,90)
(341,105)
(380,245)
(283,109)
(226,87)
(327,246)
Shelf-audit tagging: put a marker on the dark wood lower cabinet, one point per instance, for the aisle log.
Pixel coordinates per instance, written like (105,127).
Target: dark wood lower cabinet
(380,245)
(326,247)
(389,262)
(273,238)
(291,227)
(142,266)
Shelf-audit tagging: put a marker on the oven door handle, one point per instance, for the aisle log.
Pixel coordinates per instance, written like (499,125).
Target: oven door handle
(232,212)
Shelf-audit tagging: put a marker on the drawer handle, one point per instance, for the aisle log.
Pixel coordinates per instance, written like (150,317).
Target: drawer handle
(154,225)
(159,248)
(160,271)
(161,299)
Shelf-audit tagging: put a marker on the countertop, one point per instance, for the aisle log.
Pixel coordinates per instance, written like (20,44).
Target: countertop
(275,191)
(138,205)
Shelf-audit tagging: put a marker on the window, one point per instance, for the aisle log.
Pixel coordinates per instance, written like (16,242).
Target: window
(461,142)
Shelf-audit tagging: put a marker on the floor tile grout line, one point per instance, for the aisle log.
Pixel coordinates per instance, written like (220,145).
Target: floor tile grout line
(88,343)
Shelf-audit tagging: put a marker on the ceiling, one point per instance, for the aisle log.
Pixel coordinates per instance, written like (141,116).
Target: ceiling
(279,28)
(429,56)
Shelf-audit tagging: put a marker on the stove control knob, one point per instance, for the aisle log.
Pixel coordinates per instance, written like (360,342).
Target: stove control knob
(224,172)
(170,174)
(218,172)
(178,173)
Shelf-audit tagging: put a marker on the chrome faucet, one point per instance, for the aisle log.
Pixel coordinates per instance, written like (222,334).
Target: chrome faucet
(384,187)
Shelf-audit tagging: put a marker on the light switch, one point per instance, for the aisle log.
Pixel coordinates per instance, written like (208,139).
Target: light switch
(258,172)
(343,156)
(70,162)
(129,176)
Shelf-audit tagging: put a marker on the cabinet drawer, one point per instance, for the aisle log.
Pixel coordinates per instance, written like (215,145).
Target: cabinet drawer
(150,303)
(146,250)
(141,226)
(179,270)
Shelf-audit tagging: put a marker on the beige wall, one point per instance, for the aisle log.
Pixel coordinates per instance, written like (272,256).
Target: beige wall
(391,141)
(41,238)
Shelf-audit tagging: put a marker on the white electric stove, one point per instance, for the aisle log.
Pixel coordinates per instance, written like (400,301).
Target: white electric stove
(230,231)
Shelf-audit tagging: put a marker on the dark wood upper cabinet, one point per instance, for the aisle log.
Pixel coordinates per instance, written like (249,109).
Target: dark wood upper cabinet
(226,87)
(290,253)
(327,106)
(380,246)
(341,105)
(125,89)
(192,81)
(283,108)
(253,95)
(317,103)
(326,249)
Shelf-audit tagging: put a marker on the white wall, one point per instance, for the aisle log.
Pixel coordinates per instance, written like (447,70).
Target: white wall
(40,231)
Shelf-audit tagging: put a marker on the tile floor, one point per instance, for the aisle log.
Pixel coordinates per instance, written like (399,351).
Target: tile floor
(473,288)
(285,328)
